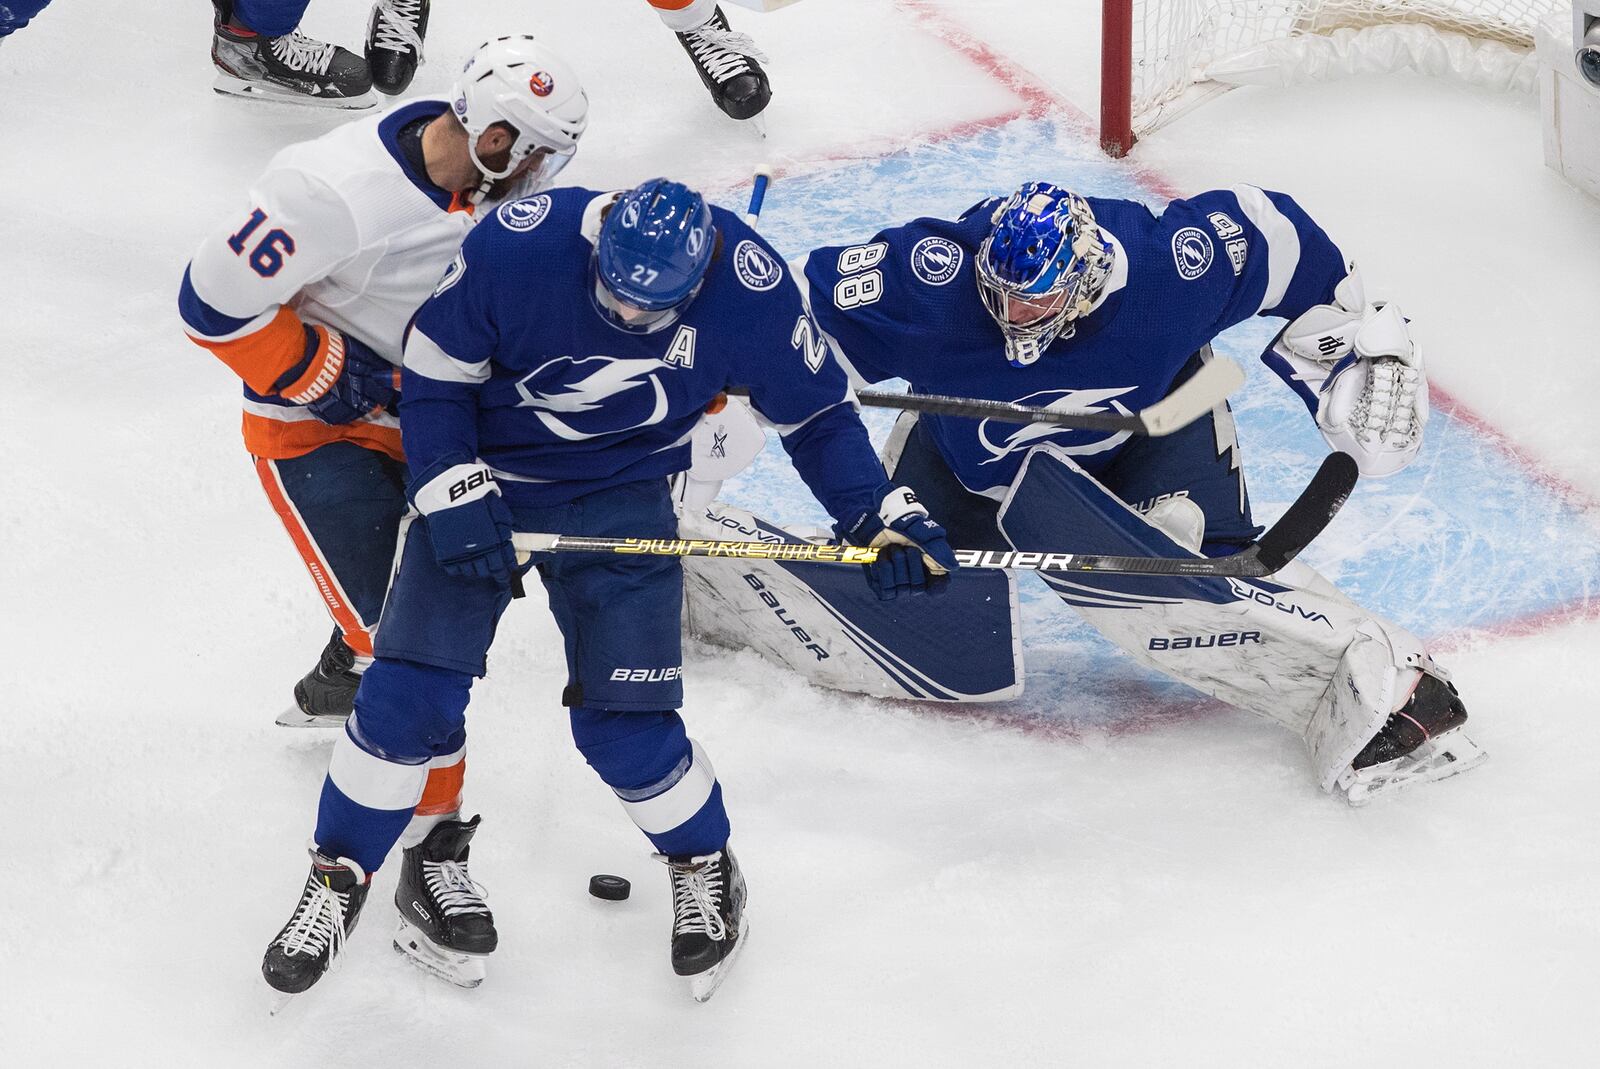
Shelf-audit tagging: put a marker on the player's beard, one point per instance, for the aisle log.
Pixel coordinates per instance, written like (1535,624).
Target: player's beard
(500,187)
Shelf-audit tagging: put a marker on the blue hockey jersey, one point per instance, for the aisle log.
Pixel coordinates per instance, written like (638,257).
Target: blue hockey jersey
(906,305)
(511,362)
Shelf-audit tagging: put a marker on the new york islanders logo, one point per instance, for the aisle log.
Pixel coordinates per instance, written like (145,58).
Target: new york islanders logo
(1001,440)
(542,83)
(1192,252)
(936,260)
(578,398)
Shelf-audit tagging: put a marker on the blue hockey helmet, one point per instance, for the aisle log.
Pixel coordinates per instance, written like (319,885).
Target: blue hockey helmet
(1041,267)
(652,254)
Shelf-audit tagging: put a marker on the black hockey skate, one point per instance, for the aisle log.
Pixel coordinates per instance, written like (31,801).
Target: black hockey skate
(293,69)
(394,43)
(445,926)
(329,907)
(327,694)
(730,66)
(1434,708)
(1420,743)
(709,928)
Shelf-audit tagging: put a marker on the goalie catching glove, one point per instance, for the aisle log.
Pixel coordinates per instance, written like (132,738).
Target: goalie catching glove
(915,558)
(1371,391)
(468,522)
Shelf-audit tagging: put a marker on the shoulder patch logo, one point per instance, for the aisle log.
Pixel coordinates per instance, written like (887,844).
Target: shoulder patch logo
(936,260)
(524,215)
(1192,252)
(756,267)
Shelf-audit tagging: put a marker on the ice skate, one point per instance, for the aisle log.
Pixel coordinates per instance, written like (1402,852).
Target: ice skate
(292,69)
(709,928)
(327,694)
(1421,743)
(445,925)
(730,66)
(394,43)
(330,904)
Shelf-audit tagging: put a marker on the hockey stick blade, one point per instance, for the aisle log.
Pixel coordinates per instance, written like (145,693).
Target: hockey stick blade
(1199,394)
(1305,519)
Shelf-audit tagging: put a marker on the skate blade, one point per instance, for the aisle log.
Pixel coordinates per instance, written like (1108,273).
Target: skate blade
(280,1001)
(1439,758)
(228,85)
(758,123)
(296,717)
(703,985)
(462,970)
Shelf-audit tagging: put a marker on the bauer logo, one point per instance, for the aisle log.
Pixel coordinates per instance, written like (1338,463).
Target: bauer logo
(756,268)
(936,260)
(646,675)
(1205,642)
(1192,252)
(523,215)
(542,83)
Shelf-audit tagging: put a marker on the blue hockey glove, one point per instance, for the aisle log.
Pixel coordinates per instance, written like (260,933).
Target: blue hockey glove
(468,522)
(340,379)
(915,557)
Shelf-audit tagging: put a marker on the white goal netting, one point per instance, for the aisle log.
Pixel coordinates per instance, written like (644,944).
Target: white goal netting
(1181,44)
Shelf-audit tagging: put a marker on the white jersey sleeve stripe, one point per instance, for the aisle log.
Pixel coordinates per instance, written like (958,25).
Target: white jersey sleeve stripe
(424,357)
(1282,241)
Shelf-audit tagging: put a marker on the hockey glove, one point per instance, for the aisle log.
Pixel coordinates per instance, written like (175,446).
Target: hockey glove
(340,378)
(468,522)
(1371,389)
(915,558)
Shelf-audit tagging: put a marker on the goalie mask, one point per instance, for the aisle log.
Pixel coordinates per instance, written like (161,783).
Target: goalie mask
(1041,267)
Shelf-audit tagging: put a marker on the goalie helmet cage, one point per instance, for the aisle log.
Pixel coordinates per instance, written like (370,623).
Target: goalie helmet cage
(1161,57)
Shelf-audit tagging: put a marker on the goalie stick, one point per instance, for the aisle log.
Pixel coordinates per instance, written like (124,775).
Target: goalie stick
(1199,394)
(1305,518)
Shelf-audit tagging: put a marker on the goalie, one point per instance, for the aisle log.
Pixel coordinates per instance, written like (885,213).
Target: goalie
(1051,299)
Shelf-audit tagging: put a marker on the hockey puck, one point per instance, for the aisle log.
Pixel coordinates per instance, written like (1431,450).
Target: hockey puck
(610,888)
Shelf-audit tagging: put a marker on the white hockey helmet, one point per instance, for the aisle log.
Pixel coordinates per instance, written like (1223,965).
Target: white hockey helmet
(519,81)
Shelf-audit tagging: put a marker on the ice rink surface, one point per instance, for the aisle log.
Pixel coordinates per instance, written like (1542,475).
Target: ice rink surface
(1110,871)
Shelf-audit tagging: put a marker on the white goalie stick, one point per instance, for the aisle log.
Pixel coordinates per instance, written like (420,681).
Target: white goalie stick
(1305,518)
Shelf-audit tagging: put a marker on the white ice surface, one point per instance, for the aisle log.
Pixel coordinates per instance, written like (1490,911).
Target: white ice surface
(927,888)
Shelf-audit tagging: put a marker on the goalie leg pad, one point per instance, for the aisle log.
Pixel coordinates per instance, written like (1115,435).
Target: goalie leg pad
(823,622)
(1271,646)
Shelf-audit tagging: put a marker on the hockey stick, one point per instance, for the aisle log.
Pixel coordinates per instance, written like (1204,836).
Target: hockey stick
(1305,518)
(1200,393)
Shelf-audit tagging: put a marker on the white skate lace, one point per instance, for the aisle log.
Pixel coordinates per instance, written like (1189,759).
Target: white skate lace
(722,52)
(301,53)
(397,25)
(318,921)
(695,892)
(451,887)
(1387,408)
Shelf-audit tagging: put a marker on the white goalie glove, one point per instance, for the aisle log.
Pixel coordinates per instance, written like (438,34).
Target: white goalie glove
(1367,372)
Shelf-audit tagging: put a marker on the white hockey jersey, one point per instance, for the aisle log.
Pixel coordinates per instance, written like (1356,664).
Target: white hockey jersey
(339,231)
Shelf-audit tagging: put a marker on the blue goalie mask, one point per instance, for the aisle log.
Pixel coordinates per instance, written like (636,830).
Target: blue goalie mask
(651,256)
(1041,267)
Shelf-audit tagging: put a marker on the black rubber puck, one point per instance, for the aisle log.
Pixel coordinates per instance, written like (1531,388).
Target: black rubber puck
(610,888)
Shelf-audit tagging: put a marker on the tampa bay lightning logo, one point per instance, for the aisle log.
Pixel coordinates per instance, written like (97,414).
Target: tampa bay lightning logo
(1192,252)
(578,398)
(524,214)
(756,268)
(1001,440)
(936,260)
